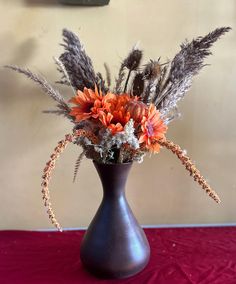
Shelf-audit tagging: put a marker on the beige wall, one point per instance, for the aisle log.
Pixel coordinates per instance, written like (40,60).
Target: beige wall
(159,190)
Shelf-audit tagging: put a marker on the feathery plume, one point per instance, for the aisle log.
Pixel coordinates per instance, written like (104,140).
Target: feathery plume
(186,64)
(77,63)
(46,87)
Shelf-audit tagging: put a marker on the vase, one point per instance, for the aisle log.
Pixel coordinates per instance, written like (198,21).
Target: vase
(114,245)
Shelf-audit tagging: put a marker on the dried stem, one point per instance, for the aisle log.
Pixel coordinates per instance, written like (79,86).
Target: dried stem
(189,165)
(108,74)
(127,81)
(120,79)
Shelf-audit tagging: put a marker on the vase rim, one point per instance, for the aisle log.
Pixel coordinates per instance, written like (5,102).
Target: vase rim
(112,164)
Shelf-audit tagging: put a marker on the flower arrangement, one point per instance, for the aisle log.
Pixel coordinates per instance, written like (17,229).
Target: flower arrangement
(124,123)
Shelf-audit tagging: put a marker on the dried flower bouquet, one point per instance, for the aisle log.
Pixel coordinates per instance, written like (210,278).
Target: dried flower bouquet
(124,123)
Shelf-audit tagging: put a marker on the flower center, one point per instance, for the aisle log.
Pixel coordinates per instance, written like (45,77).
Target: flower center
(149,129)
(87,107)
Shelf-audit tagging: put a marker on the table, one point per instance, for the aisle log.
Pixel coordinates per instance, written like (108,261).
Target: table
(198,255)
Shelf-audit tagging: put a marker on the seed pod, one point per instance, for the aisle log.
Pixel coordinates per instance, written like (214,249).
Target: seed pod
(152,70)
(133,60)
(137,110)
(138,85)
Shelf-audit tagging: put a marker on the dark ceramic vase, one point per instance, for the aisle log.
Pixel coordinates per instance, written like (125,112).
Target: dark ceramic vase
(114,245)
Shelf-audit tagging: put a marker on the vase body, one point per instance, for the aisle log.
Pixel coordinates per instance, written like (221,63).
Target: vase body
(114,245)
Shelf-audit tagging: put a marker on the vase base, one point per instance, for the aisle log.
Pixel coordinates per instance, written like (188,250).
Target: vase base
(102,274)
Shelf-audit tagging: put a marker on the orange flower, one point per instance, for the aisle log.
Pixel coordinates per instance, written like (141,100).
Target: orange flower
(106,120)
(87,104)
(153,129)
(114,115)
(108,102)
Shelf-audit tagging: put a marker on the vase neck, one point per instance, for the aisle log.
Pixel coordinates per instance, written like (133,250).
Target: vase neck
(113,178)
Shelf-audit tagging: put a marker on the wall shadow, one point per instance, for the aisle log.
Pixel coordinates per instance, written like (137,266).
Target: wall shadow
(42,3)
(54,3)
(21,56)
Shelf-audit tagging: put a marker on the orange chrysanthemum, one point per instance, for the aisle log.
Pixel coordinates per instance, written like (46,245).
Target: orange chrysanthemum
(153,129)
(106,119)
(119,112)
(114,115)
(88,104)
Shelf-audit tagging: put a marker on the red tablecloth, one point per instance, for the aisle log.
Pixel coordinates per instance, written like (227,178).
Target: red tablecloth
(179,255)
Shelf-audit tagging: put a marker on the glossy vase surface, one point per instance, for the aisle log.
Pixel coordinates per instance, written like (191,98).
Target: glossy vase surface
(114,245)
